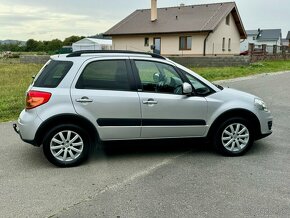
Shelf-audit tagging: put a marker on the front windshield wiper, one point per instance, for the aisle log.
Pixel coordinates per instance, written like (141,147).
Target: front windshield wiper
(219,86)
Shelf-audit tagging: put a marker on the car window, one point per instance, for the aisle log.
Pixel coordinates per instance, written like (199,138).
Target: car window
(158,77)
(198,86)
(52,74)
(105,75)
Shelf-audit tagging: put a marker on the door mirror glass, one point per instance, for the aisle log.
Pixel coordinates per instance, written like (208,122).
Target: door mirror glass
(186,88)
(157,77)
(203,91)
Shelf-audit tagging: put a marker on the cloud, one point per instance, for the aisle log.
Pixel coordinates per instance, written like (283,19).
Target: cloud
(40,23)
(47,19)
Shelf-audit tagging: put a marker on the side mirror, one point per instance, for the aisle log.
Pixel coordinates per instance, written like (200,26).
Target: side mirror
(156,77)
(202,91)
(186,88)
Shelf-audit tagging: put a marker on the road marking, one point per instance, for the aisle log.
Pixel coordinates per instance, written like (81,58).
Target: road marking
(123,183)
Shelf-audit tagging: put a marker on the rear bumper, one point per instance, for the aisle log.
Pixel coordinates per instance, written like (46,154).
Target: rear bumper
(27,125)
(16,129)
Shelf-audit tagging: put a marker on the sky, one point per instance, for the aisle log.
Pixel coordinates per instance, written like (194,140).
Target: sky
(50,19)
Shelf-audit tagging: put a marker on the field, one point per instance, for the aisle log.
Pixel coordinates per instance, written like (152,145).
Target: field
(16,77)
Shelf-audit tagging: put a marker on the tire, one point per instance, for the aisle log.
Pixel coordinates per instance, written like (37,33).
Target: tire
(234,137)
(66,145)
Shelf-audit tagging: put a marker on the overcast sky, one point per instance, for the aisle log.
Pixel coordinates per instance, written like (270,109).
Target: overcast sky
(50,19)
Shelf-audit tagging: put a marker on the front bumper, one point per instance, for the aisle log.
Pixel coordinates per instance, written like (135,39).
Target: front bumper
(266,123)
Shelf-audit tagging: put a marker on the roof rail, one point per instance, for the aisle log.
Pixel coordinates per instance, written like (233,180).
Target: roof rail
(79,53)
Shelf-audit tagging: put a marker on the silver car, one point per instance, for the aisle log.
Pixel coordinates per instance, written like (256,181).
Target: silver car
(79,99)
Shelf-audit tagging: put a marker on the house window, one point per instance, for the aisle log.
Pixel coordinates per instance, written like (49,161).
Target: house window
(146,41)
(228,20)
(223,45)
(185,42)
(229,45)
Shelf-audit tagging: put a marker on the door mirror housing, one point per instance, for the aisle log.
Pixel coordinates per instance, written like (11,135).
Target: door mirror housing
(186,88)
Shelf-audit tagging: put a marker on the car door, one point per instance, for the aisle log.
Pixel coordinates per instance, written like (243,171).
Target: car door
(166,112)
(104,93)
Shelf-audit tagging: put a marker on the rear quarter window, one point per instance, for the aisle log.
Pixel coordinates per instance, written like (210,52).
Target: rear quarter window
(52,74)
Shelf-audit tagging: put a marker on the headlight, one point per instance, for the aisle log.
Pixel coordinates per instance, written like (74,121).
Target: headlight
(261,104)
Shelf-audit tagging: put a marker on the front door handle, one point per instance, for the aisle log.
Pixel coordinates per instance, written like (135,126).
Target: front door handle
(84,100)
(150,101)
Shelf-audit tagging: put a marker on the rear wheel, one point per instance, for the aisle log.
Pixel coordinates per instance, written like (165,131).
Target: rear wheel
(234,137)
(66,145)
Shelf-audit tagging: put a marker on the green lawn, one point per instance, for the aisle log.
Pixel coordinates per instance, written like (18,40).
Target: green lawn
(16,77)
(221,73)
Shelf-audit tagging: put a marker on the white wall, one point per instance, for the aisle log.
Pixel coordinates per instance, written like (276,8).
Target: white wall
(244,45)
(169,43)
(215,39)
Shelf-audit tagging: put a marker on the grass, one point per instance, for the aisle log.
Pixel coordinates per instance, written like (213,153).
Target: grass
(16,77)
(14,80)
(221,73)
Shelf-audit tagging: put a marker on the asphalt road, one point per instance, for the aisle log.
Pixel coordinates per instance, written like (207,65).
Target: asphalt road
(156,179)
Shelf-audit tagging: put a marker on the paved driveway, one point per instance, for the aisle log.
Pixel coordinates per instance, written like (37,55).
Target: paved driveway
(156,179)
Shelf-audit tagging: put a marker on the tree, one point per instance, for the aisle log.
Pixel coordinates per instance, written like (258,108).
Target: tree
(72,39)
(32,45)
(54,45)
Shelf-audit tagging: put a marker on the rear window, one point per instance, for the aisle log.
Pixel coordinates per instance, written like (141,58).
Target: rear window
(52,74)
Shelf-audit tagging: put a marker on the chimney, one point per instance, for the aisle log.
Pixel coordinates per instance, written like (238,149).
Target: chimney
(153,10)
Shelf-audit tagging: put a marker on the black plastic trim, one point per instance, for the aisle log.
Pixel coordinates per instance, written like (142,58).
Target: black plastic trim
(56,119)
(260,136)
(118,122)
(172,122)
(149,122)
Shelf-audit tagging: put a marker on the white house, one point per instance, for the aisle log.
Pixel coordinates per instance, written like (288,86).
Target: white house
(259,37)
(205,29)
(92,44)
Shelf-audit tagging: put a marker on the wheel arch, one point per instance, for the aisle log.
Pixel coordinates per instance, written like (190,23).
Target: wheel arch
(66,119)
(243,113)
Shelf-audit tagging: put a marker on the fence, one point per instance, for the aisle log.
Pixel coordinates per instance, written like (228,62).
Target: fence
(35,59)
(212,61)
(268,52)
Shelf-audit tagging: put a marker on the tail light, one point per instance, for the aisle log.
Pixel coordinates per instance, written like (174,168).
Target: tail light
(36,98)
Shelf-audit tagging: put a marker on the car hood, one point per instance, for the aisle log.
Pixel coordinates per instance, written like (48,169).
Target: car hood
(229,94)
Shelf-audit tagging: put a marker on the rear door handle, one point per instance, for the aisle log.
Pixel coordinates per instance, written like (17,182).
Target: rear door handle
(84,100)
(150,101)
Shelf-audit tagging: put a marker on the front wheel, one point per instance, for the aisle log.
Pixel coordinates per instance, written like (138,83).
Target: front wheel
(234,137)
(66,145)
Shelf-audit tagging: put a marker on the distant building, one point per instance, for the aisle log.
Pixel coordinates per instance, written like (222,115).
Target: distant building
(92,44)
(207,29)
(262,36)
(285,42)
(288,38)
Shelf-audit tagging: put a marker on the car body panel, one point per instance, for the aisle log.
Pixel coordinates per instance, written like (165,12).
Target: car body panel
(174,108)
